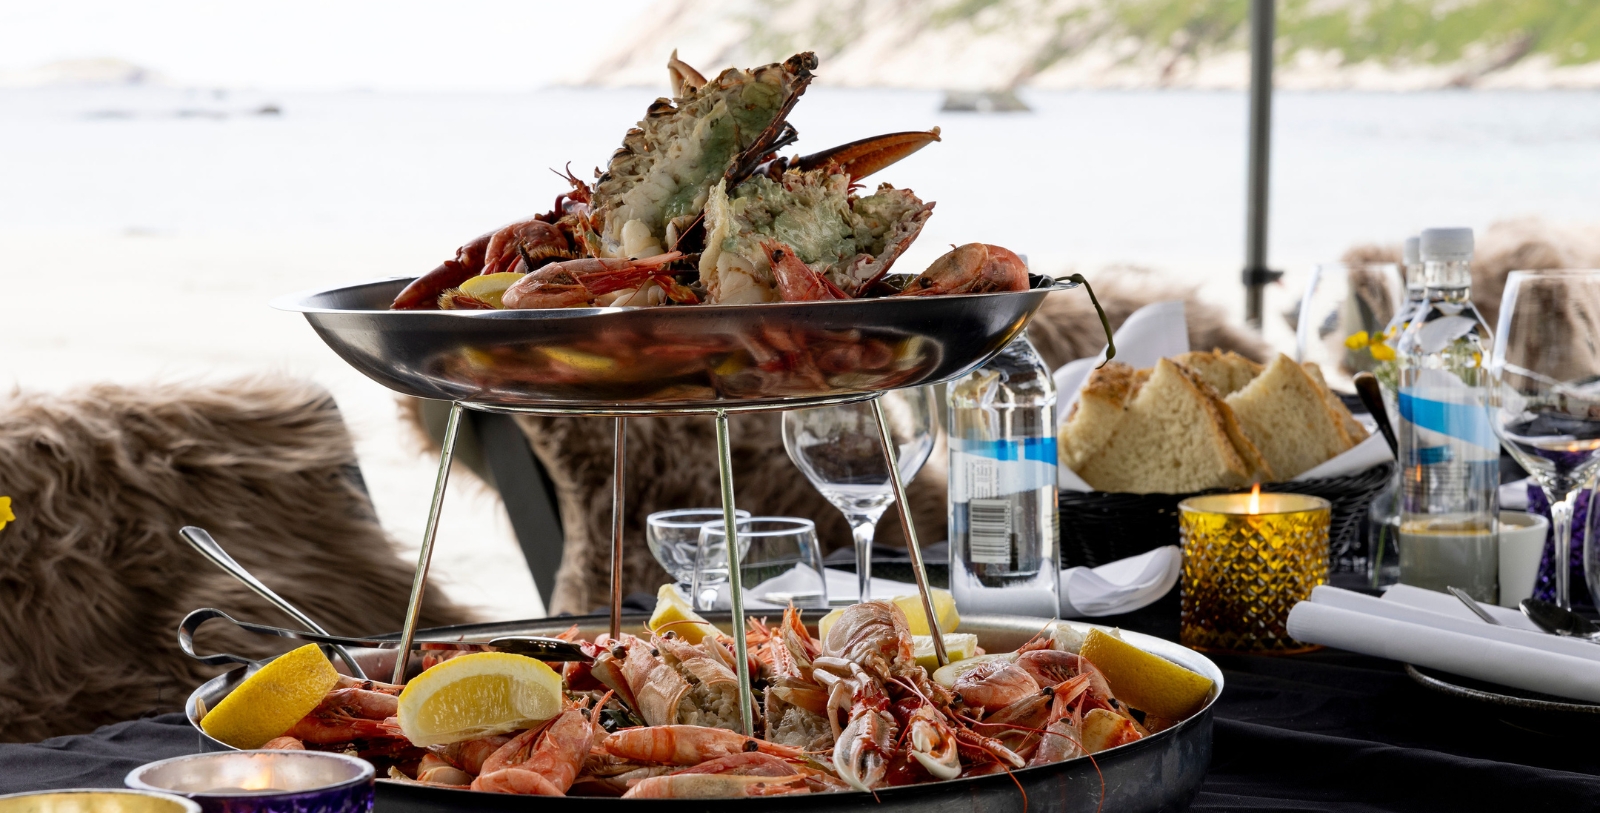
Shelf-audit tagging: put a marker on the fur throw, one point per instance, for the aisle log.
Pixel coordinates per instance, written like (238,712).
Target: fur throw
(93,575)
(1528,244)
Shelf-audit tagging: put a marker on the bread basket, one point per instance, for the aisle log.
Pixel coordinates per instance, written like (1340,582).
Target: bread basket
(1102,526)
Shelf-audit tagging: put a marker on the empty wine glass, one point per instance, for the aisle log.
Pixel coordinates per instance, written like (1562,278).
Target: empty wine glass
(779,562)
(1545,397)
(840,451)
(1343,316)
(674,538)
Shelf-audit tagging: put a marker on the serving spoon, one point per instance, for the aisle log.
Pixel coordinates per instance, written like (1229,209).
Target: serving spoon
(1558,621)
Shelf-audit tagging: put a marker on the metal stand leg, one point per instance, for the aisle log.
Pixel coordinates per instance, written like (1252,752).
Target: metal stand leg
(912,547)
(735,585)
(420,580)
(619,445)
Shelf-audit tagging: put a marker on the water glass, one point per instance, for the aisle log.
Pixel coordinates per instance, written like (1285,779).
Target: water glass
(1343,316)
(780,562)
(674,539)
(1544,399)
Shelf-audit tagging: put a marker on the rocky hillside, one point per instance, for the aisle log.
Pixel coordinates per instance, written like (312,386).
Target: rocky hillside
(989,44)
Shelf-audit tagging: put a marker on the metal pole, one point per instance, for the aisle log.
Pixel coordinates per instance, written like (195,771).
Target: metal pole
(1256,273)
(890,454)
(618,447)
(420,579)
(735,581)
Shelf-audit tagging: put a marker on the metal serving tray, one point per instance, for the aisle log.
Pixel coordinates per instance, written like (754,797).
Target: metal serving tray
(632,359)
(1161,772)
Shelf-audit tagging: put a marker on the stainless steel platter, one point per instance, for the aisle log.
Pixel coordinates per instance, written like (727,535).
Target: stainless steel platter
(1161,772)
(665,359)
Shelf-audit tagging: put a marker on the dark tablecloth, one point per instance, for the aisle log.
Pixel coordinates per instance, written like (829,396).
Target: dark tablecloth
(1320,732)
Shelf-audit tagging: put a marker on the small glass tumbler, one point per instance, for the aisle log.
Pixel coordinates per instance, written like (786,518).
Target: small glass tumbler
(674,539)
(780,563)
(1247,559)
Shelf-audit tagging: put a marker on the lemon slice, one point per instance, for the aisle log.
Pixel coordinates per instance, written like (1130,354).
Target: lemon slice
(1147,682)
(477,695)
(675,615)
(273,699)
(944,607)
(958,645)
(490,287)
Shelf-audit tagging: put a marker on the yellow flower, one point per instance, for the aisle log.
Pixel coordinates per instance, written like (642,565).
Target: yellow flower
(5,512)
(1357,340)
(1381,351)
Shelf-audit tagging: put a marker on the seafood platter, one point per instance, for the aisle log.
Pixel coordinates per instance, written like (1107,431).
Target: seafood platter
(702,272)
(854,715)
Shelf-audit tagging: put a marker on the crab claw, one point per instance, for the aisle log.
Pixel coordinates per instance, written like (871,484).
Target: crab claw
(933,744)
(860,754)
(683,75)
(862,158)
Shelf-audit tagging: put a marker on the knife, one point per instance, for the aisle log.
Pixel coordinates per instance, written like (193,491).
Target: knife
(541,648)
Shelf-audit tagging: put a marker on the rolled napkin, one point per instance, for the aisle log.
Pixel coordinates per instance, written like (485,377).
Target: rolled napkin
(1446,604)
(1472,656)
(1371,605)
(1117,587)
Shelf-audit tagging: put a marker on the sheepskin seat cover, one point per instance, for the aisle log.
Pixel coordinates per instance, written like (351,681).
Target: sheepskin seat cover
(93,575)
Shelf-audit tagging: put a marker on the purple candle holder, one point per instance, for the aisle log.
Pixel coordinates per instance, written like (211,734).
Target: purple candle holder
(263,781)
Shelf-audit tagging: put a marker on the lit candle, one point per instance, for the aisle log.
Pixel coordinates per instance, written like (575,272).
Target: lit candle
(1247,558)
(263,781)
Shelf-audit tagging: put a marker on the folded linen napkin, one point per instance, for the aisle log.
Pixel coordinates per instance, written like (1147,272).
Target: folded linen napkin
(1446,604)
(1117,587)
(1397,632)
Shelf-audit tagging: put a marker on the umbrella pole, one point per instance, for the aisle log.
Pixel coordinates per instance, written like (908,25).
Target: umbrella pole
(420,579)
(1256,274)
(735,580)
(890,454)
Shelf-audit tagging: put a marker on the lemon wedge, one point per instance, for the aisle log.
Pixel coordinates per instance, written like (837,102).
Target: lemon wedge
(273,699)
(944,607)
(674,614)
(1149,683)
(490,288)
(958,645)
(477,695)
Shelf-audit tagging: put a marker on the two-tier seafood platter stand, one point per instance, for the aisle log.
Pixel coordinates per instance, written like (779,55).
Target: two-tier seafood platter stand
(716,360)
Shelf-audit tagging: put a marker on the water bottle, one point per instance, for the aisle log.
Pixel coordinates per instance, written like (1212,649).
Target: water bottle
(1387,370)
(1449,455)
(1004,540)
(1383,560)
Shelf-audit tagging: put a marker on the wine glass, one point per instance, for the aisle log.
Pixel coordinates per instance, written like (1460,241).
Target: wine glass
(1545,397)
(780,562)
(1343,316)
(674,539)
(840,451)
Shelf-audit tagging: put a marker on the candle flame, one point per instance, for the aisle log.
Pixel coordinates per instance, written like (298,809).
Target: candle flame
(1255,498)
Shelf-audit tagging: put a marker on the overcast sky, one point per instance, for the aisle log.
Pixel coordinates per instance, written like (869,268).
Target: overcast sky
(327,45)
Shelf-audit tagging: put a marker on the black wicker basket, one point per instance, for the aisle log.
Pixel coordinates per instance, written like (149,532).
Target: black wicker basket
(1102,526)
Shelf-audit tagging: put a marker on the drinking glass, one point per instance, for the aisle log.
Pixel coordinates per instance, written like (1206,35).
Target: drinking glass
(840,451)
(674,539)
(780,562)
(1544,397)
(1342,319)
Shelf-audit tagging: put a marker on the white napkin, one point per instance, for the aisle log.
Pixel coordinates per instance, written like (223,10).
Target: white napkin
(1118,587)
(1158,331)
(1446,604)
(1514,495)
(1400,630)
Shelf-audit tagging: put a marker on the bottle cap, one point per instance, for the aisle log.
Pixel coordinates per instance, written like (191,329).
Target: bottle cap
(1412,254)
(1446,245)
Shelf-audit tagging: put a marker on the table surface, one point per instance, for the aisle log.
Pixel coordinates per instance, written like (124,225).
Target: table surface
(1329,730)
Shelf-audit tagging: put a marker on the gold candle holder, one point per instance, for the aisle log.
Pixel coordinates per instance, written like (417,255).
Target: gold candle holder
(1247,558)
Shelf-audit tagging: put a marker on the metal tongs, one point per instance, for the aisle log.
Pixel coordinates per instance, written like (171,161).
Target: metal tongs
(544,649)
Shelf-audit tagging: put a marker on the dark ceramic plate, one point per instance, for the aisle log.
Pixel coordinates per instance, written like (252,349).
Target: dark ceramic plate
(1499,695)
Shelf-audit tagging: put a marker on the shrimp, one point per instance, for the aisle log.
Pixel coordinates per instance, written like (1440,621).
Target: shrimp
(708,779)
(349,714)
(686,744)
(469,755)
(542,761)
(975,268)
(284,744)
(995,684)
(434,770)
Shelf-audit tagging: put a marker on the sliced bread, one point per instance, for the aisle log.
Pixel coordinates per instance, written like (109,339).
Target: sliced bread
(1227,373)
(1174,438)
(1101,406)
(1284,414)
(1353,430)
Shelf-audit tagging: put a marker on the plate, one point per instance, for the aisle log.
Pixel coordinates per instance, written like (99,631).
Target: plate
(1470,689)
